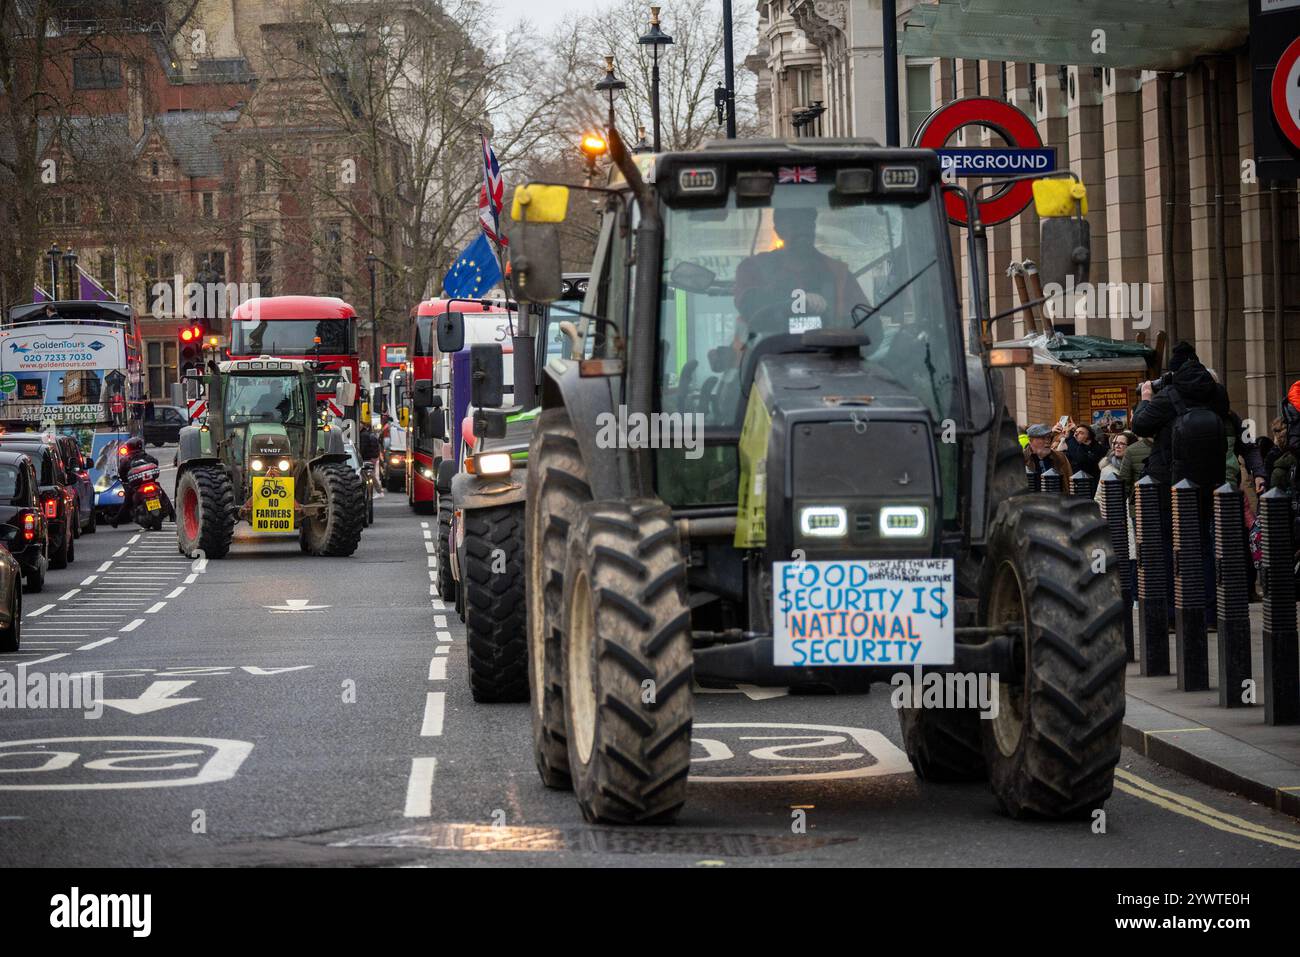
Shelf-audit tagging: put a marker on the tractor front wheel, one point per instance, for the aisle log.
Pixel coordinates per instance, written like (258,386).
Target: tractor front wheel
(333,529)
(493,584)
(627,662)
(205,517)
(1053,745)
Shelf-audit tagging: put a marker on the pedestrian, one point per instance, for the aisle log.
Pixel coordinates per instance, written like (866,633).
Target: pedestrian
(1083,450)
(1110,465)
(1187,418)
(1039,454)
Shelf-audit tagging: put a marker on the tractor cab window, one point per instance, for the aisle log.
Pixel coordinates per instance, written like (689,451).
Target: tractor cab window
(736,276)
(254,398)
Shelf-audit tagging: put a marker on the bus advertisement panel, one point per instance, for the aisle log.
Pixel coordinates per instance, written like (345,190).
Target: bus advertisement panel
(66,374)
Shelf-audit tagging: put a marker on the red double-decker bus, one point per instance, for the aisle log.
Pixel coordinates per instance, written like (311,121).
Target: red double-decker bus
(425,451)
(323,328)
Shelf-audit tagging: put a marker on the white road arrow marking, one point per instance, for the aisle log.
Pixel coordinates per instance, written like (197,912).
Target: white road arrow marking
(155,698)
(293,605)
(254,670)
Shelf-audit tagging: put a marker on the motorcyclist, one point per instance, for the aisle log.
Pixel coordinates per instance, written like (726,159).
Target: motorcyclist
(130,454)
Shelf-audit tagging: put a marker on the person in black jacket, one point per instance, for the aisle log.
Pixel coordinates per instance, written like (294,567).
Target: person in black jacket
(1191,387)
(1084,451)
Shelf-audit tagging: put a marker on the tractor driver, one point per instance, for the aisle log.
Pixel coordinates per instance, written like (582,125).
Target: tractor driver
(795,287)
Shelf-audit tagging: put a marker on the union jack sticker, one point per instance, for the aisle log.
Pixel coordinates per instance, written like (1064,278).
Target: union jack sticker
(797,174)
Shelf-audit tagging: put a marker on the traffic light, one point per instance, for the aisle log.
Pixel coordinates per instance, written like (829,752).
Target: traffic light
(189,346)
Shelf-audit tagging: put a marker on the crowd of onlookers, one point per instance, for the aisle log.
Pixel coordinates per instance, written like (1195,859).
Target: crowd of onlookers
(1182,428)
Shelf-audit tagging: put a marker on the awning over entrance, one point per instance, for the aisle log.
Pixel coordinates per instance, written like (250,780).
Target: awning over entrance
(1138,34)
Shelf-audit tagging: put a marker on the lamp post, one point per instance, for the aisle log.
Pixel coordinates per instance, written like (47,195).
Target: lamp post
(611,84)
(70,264)
(641,145)
(729,65)
(655,38)
(53,254)
(371,260)
(889,30)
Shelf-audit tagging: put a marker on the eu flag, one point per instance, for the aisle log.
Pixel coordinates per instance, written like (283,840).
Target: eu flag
(475,272)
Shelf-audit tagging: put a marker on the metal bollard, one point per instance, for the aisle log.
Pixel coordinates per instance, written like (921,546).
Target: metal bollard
(1051,482)
(1153,615)
(1191,648)
(1234,606)
(1081,485)
(1115,506)
(1032,480)
(1281,648)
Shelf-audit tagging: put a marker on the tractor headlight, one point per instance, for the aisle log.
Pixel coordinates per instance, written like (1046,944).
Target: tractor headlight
(824,521)
(283,465)
(258,465)
(491,463)
(902,521)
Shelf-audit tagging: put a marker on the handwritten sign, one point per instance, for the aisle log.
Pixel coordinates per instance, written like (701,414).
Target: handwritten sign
(885,612)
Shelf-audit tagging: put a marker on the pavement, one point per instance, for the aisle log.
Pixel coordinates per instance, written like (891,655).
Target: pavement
(271,708)
(1229,748)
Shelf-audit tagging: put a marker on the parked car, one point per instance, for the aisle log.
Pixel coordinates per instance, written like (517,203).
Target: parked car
(77,467)
(23,528)
(165,424)
(58,498)
(11,601)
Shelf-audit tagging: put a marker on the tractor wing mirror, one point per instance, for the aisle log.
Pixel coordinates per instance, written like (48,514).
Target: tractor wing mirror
(536,270)
(1064,237)
(490,423)
(451,332)
(422,393)
(487,375)
(345,394)
(435,423)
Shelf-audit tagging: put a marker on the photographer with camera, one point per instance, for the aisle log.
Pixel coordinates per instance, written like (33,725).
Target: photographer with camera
(1186,414)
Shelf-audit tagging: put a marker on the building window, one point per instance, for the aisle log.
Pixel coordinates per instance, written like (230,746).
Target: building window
(214,261)
(153,167)
(919,96)
(263,260)
(334,259)
(61,210)
(159,270)
(259,176)
(108,272)
(208,203)
(96,73)
(803,94)
(161,354)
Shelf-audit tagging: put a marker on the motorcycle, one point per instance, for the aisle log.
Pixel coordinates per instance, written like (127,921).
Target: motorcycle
(146,494)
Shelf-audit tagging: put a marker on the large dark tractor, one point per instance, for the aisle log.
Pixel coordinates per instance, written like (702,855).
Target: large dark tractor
(263,455)
(780,456)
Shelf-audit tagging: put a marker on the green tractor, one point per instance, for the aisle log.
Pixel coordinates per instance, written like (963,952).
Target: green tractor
(780,456)
(263,455)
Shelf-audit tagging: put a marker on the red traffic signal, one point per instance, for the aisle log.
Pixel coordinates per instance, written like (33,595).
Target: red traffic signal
(191,333)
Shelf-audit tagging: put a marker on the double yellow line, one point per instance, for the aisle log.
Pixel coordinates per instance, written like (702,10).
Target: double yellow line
(1188,807)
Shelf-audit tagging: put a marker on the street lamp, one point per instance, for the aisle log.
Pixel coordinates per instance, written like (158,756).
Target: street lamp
(371,260)
(655,39)
(70,263)
(641,145)
(611,84)
(54,253)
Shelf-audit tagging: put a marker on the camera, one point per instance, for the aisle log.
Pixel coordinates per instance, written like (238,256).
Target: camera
(1156,384)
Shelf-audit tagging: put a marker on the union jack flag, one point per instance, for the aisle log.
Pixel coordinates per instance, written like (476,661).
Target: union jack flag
(797,174)
(491,196)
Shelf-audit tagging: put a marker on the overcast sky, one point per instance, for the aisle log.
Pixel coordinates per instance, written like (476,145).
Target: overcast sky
(544,14)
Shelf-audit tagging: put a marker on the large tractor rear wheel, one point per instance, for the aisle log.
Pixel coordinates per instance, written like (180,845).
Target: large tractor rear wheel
(557,490)
(1053,746)
(627,663)
(446,584)
(205,512)
(334,529)
(495,619)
